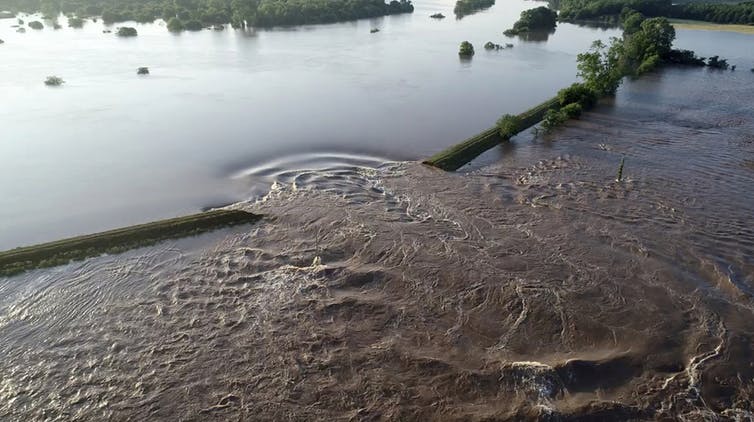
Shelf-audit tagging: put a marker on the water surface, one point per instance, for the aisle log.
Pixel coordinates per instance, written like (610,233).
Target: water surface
(110,148)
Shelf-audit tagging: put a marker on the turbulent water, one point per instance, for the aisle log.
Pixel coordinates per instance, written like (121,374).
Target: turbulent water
(532,285)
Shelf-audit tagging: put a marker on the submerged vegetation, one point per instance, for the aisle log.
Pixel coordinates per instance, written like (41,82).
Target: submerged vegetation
(538,19)
(437,16)
(466,50)
(142,71)
(54,81)
(489,45)
(619,177)
(468,7)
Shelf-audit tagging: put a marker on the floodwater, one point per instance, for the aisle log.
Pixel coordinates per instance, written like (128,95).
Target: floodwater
(531,286)
(110,149)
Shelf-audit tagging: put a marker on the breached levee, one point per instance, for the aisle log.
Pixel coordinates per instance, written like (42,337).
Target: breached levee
(458,155)
(60,252)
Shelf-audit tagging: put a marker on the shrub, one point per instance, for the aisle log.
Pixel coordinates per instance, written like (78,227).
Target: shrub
(578,93)
(54,81)
(553,119)
(126,31)
(466,49)
(572,111)
(142,71)
(509,125)
(36,25)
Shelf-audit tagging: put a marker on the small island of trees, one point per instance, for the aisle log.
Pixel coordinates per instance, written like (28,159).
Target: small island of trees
(36,25)
(54,81)
(126,31)
(538,19)
(468,7)
(466,50)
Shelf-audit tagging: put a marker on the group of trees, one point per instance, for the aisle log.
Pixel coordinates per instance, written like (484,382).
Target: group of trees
(239,13)
(466,50)
(740,13)
(538,19)
(296,12)
(610,10)
(468,7)
(126,31)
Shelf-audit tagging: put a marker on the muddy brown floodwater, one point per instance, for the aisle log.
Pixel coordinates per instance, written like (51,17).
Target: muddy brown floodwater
(530,286)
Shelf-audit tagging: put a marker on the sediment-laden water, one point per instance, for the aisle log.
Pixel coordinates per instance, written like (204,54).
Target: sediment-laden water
(531,286)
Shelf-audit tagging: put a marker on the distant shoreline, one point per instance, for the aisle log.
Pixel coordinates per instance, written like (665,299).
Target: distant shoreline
(709,26)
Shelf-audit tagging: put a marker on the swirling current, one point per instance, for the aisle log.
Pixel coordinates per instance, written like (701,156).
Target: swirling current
(530,286)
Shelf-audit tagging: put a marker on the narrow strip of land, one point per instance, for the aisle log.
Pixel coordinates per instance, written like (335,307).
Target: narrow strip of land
(61,252)
(709,26)
(457,155)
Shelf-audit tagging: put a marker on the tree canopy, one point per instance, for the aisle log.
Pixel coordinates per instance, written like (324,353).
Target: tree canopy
(466,49)
(126,31)
(538,19)
(468,7)
(239,13)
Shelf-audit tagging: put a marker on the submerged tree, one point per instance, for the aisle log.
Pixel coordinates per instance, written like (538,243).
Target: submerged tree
(36,25)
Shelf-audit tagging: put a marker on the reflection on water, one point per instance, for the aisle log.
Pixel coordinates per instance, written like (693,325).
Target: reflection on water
(531,286)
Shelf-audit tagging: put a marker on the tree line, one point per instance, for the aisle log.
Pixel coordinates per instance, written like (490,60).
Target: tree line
(239,13)
(610,10)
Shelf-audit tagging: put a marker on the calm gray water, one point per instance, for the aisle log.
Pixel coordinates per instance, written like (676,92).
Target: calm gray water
(222,111)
